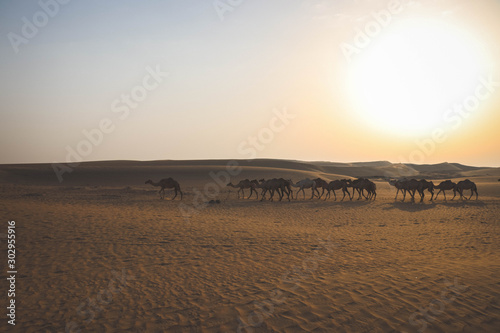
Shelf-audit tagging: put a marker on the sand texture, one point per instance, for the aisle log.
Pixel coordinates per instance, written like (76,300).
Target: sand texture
(100,252)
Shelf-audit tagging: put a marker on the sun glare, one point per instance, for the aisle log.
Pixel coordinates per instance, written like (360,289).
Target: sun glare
(405,80)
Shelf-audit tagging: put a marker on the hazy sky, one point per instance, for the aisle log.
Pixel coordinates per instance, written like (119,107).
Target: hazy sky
(349,80)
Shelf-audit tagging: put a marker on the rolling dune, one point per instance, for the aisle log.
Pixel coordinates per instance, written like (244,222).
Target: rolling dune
(100,252)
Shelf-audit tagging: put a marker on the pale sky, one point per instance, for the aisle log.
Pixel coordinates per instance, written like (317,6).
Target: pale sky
(352,80)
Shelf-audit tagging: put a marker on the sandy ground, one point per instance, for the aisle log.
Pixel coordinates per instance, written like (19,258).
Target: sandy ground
(115,258)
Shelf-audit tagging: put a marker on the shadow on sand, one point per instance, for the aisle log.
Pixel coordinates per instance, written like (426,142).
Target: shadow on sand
(462,203)
(409,206)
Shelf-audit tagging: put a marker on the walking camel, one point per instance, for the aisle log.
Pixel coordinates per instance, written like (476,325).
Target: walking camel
(337,185)
(425,185)
(362,184)
(407,186)
(306,183)
(166,183)
(271,186)
(400,186)
(285,185)
(466,185)
(332,186)
(446,186)
(242,185)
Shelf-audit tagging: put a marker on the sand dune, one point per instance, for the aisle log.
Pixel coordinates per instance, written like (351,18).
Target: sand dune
(101,253)
(110,173)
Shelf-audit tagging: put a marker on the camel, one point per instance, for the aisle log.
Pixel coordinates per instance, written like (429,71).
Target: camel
(445,186)
(242,185)
(286,187)
(305,183)
(166,183)
(321,183)
(362,184)
(466,185)
(406,185)
(332,186)
(399,185)
(371,188)
(337,185)
(425,185)
(271,186)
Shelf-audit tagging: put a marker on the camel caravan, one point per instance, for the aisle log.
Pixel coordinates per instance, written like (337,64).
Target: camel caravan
(283,187)
(364,187)
(413,186)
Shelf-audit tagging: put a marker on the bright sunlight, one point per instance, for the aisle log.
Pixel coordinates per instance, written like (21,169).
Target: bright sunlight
(406,78)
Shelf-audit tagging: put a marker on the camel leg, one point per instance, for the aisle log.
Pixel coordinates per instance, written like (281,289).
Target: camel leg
(367,197)
(343,192)
(280,193)
(271,198)
(438,194)
(477,195)
(422,195)
(455,194)
(471,192)
(349,193)
(314,189)
(175,194)
(271,194)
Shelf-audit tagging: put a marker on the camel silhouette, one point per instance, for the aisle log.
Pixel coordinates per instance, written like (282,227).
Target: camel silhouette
(166,183)
(467,185)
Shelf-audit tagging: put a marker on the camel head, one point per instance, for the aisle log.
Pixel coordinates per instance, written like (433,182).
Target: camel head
(229,184)
(392,182)
(149,181)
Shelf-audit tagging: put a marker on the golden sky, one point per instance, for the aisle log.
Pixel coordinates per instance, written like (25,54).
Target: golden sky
(404,81)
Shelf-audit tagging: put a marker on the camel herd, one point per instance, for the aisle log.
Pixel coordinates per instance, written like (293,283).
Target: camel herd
(283,187)
(413,186)
(364,187)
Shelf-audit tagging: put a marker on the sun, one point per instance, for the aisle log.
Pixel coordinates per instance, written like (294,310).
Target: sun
(407,78)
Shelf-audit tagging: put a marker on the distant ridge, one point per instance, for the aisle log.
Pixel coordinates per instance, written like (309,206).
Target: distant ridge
(111,173)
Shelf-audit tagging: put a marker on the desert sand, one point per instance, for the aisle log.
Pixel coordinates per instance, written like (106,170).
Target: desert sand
(100,252)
